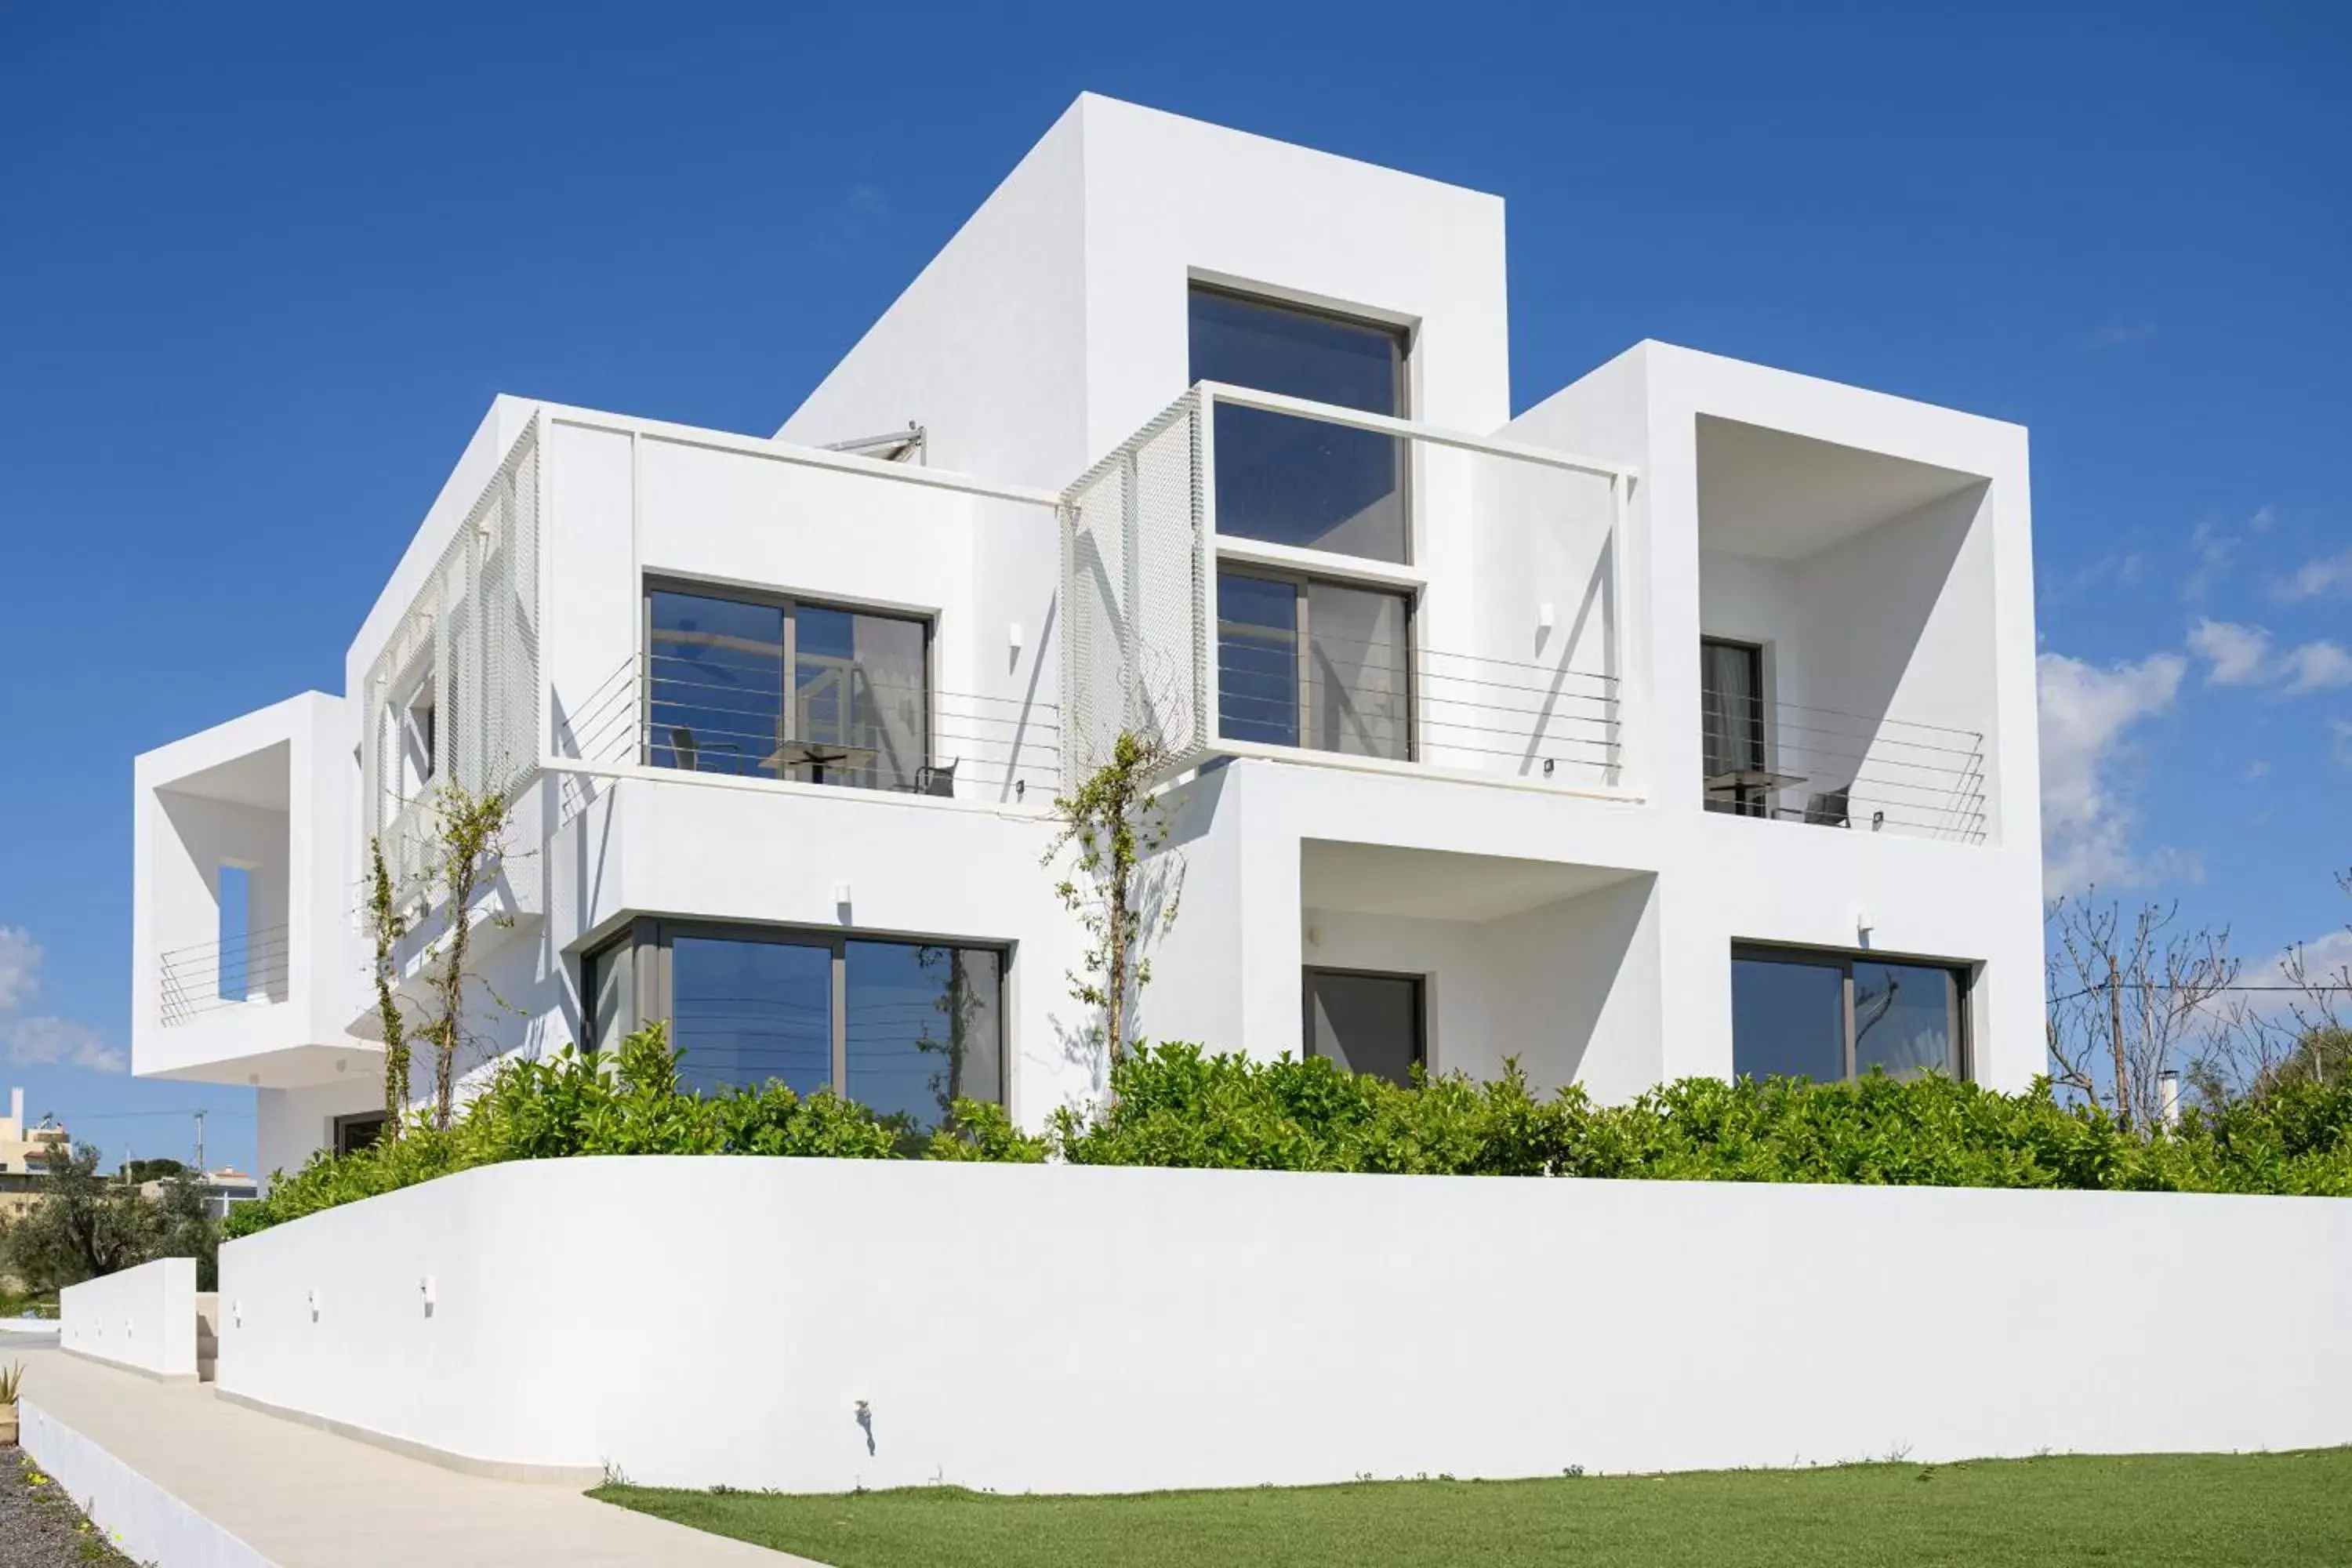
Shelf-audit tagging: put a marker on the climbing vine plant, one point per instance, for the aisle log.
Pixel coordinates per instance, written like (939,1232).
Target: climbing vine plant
(1123,886)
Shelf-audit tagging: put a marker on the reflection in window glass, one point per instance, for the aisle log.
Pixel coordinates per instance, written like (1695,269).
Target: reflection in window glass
(1356,670)
(1787,1019)
(608,992)
(744,1012)
(1906,1019)
(1258,660)
(857,697)
(1291,481)
(923,1025)
(1366,1023)
(716,672)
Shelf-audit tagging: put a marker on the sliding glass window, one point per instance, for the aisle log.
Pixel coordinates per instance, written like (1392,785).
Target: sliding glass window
(903,1027)
(1286,479)
(1306,662)
(783,688)
(1827,1016)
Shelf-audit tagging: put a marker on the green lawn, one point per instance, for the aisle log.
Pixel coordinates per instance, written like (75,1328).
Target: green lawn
(2273,1510)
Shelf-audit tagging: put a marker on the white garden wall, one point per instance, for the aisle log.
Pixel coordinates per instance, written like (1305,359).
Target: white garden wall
(1064,1328)
(143,1318)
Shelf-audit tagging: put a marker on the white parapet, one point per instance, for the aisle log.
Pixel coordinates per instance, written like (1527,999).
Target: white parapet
(832,1324)
(143,1318)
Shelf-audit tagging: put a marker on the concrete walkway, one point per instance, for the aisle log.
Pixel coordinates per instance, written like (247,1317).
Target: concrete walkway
(299,1497)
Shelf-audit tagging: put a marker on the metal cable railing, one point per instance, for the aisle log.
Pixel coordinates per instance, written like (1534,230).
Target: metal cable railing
(849,728)
(1793,762)
(207,976)
(1447,709)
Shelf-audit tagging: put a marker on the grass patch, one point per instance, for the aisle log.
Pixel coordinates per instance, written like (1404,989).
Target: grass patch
(2146,1510)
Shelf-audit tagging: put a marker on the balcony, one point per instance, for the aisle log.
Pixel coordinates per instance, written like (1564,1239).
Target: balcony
(1786,762)
(1847,624)
(1268,603)
(237,972)
(847,723)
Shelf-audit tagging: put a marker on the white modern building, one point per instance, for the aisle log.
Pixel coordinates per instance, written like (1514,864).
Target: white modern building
(1683,723)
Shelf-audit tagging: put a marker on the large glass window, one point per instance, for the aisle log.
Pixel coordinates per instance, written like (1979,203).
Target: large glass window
(1299,481)
(1828,1015)
(923,1027)
(905,1028)
(751,1011)
(1366,1023)
(786,690)
(1305,662)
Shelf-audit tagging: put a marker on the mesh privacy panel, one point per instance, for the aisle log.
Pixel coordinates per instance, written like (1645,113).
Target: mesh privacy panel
(1134,651)
(467,651)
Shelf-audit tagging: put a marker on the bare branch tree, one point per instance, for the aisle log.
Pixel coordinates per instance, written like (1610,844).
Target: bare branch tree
(2128,1001)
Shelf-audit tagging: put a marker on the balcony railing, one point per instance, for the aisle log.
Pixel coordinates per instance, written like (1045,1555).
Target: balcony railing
(208,976)
(1298,628)
(851,729)
(1434,706)
(1789,763)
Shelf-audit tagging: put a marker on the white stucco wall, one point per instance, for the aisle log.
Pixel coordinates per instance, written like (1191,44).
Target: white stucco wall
(143,1318)
(1233,1328)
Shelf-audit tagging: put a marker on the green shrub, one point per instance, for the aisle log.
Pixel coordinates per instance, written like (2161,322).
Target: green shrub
(1176,1105)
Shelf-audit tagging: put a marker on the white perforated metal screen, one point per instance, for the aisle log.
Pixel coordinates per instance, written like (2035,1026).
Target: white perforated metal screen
(472,632)
(1135,586)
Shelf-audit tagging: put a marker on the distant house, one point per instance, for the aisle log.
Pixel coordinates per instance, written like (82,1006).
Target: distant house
(24,1151)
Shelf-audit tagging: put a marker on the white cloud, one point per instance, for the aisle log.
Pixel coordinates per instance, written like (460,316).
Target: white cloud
(2237,654)
(20,967)
(60,1042)
(2086,713)
(2317,578)
(2316,667)
(43,1042)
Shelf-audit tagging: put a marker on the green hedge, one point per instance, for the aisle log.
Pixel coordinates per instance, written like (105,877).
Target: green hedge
(1177,1106)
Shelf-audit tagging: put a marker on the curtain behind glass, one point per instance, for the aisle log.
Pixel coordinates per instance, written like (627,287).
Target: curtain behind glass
(1257,659)
(1906,1020)
(858,686)
(1356,671)
(715,679)
(1730,708)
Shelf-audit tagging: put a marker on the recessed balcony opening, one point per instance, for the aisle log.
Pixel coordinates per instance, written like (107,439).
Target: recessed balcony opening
(1846,619)
(220,887)
(1459,962)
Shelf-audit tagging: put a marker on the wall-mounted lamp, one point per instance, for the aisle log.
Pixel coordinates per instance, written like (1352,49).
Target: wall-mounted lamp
(1013,636)
(425,1294)
(1545,619)
(1863,926)
(841,902)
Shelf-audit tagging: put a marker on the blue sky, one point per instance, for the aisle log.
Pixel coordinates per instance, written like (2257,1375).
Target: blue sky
(263,267)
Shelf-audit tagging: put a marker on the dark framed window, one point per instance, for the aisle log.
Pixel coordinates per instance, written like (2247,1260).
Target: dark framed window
(359,1130)
(903,1026)
(1731,720)
(785,688)
(1828,1015)
(1366,1021)
(1293,480)
(608,994)
(1303,661)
